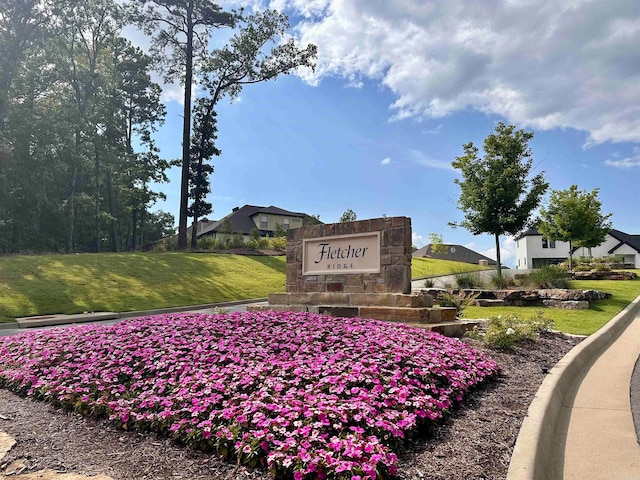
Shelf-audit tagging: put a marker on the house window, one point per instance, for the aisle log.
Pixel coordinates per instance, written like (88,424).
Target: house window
(545,243)
(264,222)
(552,244)
(286,224)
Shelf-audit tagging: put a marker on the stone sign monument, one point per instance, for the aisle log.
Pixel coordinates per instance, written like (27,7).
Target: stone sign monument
(360,268)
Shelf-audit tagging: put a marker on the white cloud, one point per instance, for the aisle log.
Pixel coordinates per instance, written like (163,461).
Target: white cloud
(542,64)
(386,161)
(418,240)
(420,158)
(435,130)
(629,162)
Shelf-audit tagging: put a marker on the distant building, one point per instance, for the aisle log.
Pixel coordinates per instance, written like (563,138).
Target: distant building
(457,253)
(535,251)
(242,220)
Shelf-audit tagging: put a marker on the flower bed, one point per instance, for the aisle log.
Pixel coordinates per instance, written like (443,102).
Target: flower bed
(308,395)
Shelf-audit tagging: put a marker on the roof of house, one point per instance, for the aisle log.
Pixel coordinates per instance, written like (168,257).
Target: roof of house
(462,254)
(241,218)
(529,233)
(625,239)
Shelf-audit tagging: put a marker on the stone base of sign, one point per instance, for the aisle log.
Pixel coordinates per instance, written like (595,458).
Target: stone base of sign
(411,309)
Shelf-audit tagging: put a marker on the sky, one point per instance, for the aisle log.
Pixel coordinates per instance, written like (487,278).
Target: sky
(401,86)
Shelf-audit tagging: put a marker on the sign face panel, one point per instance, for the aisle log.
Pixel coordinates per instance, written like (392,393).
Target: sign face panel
(341,254)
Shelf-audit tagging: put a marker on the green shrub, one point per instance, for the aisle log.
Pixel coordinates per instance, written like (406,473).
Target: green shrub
(583,267)
(504,331)
(429,283)
(502,281)
(548,276)
(461,301)
(278,243)
(469,280)
(602,267)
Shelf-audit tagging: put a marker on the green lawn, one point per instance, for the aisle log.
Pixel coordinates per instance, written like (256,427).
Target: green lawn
(584,322)
(428,267)
(43,284)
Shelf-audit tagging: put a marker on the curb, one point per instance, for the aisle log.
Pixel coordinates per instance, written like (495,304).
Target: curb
(158,311)
(538,443)
(24,323)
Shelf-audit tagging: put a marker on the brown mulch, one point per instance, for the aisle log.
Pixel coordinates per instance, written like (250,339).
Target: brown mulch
(475,442)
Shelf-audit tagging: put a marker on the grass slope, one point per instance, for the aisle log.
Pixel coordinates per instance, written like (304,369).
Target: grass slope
(428,267)
(45,284)
(37,285)
(582,322)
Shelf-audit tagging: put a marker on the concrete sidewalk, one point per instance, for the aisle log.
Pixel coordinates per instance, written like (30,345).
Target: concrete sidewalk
(601,441)
(580,423)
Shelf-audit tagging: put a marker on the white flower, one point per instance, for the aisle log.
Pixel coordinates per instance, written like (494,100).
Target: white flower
(510,331)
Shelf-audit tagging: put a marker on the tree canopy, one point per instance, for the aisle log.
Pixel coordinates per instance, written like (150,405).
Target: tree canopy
(574,216)
(79,112)
(180,32)
(348,216)
(497,195)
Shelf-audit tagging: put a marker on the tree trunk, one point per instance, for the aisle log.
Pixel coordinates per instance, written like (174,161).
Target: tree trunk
(115,240)
(186,133)
(570,256)
(97,194)
(499,263)
(134,229)
(72,210)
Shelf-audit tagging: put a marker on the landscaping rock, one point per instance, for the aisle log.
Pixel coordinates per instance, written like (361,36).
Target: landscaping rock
(550,297)
(567,304)
(604,275)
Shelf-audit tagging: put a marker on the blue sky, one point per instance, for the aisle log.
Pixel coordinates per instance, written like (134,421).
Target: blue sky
(401,86)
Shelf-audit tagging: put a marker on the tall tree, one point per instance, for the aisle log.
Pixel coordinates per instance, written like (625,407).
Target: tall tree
(180,31)
(244,60)
(203,148)
(574,216)
(21,28)
(496,194)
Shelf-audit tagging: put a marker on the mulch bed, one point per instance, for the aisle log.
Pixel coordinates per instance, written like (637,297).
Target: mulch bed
(476,441)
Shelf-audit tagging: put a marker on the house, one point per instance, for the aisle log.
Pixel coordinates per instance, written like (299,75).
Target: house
(242,220)
(535,251)
(456,253)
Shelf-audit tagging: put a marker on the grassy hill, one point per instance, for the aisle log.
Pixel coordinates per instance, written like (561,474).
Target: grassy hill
(45,284)
(427,267)
(34,285)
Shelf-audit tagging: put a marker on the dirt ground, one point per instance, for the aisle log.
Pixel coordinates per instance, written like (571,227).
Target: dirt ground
(475,442)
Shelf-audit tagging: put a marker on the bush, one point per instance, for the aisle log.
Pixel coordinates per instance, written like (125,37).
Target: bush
(582,268)
(602,267)
(429,283)
(548,276)
(469,280)
(505,331)
(501,281)
(279,243)
(460,301)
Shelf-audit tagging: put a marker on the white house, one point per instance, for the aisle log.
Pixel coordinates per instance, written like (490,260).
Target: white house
(534,251)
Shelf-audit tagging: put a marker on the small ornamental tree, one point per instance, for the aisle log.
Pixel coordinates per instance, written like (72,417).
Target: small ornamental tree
(496,194)
(437,245)
(574,216)
(348,216)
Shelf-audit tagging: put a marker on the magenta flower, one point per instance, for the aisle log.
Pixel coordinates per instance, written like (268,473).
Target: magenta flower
(310,394)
